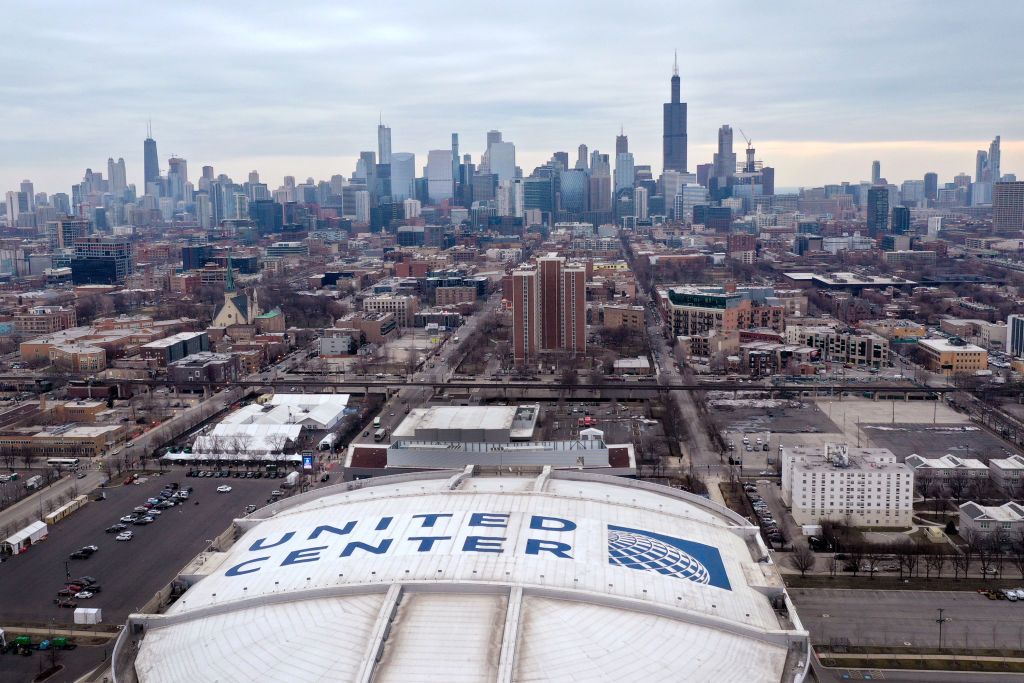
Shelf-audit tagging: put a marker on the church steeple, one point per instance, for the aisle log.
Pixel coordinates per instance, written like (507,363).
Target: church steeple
(229,280)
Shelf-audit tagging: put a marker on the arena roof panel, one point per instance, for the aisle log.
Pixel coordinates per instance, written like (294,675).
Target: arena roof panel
(495,578)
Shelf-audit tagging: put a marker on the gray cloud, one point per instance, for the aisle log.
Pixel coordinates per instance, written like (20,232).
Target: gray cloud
(297,87)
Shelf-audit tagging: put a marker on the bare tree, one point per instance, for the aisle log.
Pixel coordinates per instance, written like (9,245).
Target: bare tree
(908,556)
(973,541)
(934,561)
(958,483)
(872,557)
(802,558)
(856,556)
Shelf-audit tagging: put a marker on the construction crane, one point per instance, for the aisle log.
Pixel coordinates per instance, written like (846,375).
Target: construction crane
(749,167)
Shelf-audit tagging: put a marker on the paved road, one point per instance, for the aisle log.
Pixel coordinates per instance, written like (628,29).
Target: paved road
(867,617)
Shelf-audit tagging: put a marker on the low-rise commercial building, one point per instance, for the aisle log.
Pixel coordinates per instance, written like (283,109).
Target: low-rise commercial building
(866,487)
(61,441)
(204,367)
(169,349)
(624,317)
(952,356)
(40,320)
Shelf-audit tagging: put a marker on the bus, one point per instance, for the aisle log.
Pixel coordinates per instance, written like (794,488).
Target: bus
(63,463)
(380,435)
(376,422)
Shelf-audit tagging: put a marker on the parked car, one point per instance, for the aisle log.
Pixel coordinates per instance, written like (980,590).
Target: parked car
(124,536)
(128,519)
(65,602)
(84,595)
(223,489)
(116,528)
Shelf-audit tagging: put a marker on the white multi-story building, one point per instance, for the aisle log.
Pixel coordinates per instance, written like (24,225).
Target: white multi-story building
(1007,473)
(865,486)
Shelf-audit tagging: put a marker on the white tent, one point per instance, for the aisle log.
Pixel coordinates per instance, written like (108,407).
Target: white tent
(20,541)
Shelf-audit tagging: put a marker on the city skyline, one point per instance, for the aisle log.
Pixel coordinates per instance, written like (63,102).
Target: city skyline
(898,75)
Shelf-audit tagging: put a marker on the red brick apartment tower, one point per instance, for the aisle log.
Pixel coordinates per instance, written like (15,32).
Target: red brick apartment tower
(550,302)
(573,309)
(526,318)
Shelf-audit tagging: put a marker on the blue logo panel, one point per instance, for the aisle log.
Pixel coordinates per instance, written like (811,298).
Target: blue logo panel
(666,555)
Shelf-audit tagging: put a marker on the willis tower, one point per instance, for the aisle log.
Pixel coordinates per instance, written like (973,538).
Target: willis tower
(674,137)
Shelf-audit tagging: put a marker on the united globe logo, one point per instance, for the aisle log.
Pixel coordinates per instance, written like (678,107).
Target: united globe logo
(666,555)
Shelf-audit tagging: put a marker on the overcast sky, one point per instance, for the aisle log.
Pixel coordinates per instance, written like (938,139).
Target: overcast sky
(296,88)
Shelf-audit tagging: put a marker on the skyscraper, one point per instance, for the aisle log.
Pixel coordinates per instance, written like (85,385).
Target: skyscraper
(177,178)
(674,132)
(581,158)
(876,172)
(403,176)
(455,167)
(725,157)
(621,143)
(931,186)
(900,220)
(994,158)
(640,203)
(623,171)
(878,211)
(117,176)
(1008,206)
(383,143)
(439,175)
(502,156)
(150,161)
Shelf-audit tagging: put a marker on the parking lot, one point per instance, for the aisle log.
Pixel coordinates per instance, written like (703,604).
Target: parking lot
(131,572)
(895,618)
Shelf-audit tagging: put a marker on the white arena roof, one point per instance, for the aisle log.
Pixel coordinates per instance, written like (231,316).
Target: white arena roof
(457,576)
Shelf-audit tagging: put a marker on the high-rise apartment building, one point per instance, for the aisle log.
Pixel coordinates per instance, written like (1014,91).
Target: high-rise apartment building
(525,314)
(640,206)
(900,220)
(878,211)
(101,260)
(63,233)
(549,308)
(1015,335)
(674,128)
(1008,206)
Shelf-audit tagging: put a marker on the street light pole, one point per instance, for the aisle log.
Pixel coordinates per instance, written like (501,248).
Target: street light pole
(940,621)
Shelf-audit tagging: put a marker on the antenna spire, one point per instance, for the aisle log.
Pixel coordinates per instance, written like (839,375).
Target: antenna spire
(675,63)
(149,128)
